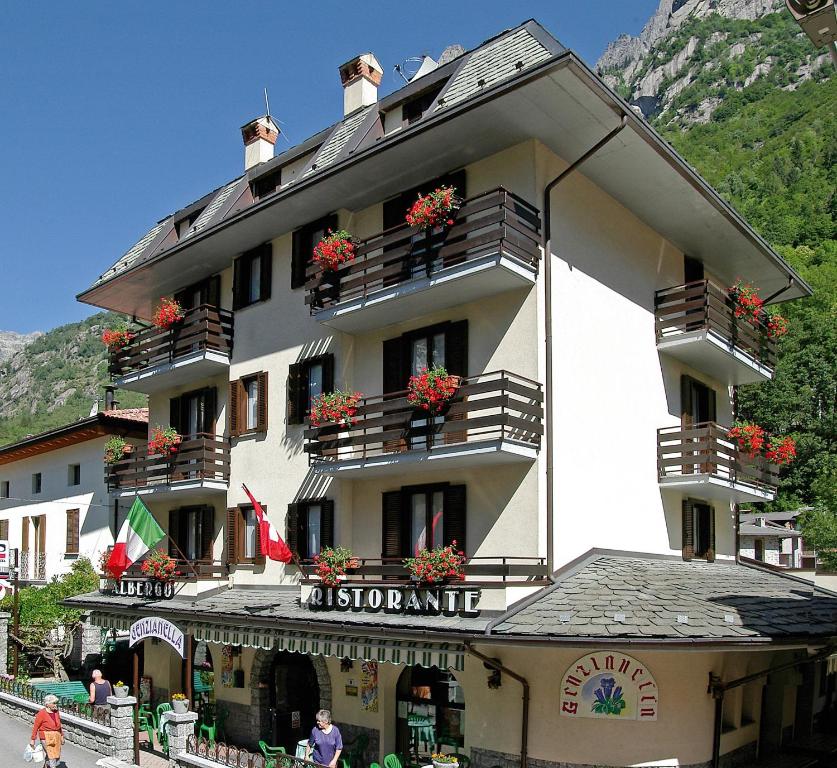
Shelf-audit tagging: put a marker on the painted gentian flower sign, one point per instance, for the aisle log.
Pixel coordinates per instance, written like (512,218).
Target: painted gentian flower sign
(609,699)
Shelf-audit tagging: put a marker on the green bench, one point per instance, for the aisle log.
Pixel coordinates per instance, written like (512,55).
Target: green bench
(73,689)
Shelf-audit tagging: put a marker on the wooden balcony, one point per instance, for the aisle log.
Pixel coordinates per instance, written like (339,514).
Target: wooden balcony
(492,247)
(696,323)
(202,463)
(494,418)
(701,461)
(188,570)
(198,347)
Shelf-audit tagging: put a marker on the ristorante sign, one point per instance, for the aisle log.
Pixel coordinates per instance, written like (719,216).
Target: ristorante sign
(149,589)
(609,685)
(430,601)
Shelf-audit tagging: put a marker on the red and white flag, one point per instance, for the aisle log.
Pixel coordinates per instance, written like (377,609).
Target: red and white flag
(270,541)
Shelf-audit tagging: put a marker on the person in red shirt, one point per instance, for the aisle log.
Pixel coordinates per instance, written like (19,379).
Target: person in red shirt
(47,727)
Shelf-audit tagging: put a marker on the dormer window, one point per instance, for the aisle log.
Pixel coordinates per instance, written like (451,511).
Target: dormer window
(414,109)
(267,184)
(182,226)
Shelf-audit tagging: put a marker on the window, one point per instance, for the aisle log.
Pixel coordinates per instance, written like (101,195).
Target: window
(74,474)
(310,527)
(307,379)
(304,241)
(4,530)
(698,530)
(182,226)
(267,184)
(206,291)
(5,489)
(697,402)
(247,405)
(36,482)
(252,273)
(72,531)
(243,535)
(414,109)
(422,516)
(191,530)
(444,344)
(193,413)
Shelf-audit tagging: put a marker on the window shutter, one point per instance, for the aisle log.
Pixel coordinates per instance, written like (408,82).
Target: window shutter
(174,413)
(455,516)
(299,258)
(261,406)
(232,532)
(238,283)
(393,521)
(266,265)
(712,405)
(24,535)
(4,529)
(72,530)
(207,533)
(328,375)
(327,523)
(295,415)
(259,558)
(686,401)
(213,291)
(174,532)
(292,528)
(394,373)
(233,414)
(710,553)
(210,398)
(456,348)
(688,530)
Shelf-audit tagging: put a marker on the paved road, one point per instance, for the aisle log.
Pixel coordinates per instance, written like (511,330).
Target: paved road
(14,736)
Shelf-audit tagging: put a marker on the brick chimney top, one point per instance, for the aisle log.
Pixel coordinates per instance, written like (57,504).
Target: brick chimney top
(259,136)
(360,77)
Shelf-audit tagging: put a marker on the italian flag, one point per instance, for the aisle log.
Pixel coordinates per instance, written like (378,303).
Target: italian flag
(139,533)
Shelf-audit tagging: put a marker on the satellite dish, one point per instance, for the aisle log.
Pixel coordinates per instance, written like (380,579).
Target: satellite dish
(408,68)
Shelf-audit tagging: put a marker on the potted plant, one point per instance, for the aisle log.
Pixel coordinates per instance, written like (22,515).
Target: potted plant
(432,389)
(104,558)
(780,450)
(168,314)
(116,338)
(746,302)
(115,449)
(436,566)
(335,408)
(434,209)
(179,703)
(777,325)
(750,438)
(120,690)
(165,441)
(160,566)
(334,250)
(332,564)
(441,760)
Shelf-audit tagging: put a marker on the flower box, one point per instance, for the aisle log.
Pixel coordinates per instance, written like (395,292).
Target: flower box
(334,250)
(168,314)
(159,566)
(333,563)
(435,209)
(116,338)
(432,390)
(165,441)
(436,566)
(335,408)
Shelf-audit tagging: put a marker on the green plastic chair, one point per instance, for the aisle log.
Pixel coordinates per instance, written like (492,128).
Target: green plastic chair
(146,723)
(162,736)
(374,765)
(270,753)
(212,723)
(392,761)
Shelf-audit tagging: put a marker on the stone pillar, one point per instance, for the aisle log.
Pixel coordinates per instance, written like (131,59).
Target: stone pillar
(4,641)
(178,729)
(90,655)
(122,725)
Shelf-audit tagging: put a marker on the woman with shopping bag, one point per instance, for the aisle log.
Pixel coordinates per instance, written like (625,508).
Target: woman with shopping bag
(47,727)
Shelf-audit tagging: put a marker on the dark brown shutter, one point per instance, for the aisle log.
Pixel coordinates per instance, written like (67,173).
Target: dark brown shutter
(4,529)
(266,266)
(209,397)
(327,523)
(207,533)
(175,519)
(175,410)
(299,257)
(233,410)
(712,405)
(455,516)
(392,539)
(292,528)
(688,530)
(232,534)
(24,535)
(295,415)
(328,375)
(238,283)
(259,558)
(710,553)
(261,405)
(213,291)
(72,530)
(456,348)
(394,376)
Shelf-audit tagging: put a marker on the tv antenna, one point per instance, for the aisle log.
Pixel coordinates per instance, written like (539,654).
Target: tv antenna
(266,103)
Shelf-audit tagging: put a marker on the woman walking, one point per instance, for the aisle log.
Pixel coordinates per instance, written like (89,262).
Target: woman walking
(47,728)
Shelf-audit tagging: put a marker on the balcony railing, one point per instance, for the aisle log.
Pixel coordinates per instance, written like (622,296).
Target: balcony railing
(479,571)
(188,570)
(705,450)
(703,306)
(499,406)
(496,221)
(199,457)
(205,328)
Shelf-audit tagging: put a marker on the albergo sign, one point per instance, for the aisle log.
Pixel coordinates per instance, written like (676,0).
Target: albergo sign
(151,589)
(609,685)
(431,601)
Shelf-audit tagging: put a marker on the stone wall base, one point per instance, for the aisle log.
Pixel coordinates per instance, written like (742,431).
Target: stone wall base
(488,758)
(240,727)
(351,732)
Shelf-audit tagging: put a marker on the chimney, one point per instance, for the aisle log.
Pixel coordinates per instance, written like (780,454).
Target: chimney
(110,402)
(361,77)
(259,137)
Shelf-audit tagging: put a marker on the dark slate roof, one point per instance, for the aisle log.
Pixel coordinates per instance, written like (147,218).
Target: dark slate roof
(276,607)
(494,61)
(611,595)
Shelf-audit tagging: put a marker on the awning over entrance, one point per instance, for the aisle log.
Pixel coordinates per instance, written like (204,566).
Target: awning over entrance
(393,651)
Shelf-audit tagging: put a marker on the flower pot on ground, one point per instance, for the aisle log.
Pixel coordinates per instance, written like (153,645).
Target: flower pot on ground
(332,564)
(120,690)
(116,448)
(160,566)
(116,338)
(335,408)
(334,250)
(168,314)
(434,209)
(179,703)
(436,566)
(441,760)
(432,390)
(165,441)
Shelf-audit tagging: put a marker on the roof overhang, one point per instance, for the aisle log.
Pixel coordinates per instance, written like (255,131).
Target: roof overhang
(561,103)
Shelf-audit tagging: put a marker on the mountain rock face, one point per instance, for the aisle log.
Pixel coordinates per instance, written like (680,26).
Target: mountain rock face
(692,52)
(11,343)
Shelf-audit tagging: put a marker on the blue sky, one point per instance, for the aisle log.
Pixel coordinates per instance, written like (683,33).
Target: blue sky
(114,114)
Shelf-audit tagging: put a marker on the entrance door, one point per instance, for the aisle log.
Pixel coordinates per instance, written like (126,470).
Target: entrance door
(294,699)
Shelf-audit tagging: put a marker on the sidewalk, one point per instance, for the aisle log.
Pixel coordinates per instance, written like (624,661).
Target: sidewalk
(14,736)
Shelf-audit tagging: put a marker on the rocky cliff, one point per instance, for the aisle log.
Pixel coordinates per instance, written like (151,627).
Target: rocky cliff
(11,343)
